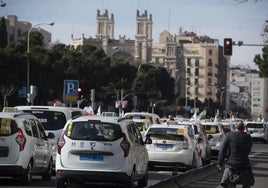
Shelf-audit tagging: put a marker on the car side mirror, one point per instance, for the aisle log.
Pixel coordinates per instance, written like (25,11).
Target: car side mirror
(210,137)
(200,140)
(148,140)
(50,135)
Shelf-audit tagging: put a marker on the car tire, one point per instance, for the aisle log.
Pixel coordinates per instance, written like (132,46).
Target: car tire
(130,182)
(26,179)
(144,181)
(61,183)
(48,174)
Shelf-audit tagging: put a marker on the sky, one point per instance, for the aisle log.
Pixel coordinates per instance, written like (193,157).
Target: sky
(217,19)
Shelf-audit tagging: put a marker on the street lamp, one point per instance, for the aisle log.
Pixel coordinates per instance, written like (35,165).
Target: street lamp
(28,63)
(2,4)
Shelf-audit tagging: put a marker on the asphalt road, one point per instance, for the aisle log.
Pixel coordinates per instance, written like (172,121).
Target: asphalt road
(259,160)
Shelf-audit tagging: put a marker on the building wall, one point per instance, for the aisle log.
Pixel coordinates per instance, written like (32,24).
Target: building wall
(16,30)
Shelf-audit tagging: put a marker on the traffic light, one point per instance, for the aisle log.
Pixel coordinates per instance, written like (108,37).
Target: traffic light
(228,46)
(79,92)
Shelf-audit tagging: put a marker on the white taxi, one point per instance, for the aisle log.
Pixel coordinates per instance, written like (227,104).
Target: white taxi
(258,130)
(215,133)
(172,145)
(24,147)
(101,149)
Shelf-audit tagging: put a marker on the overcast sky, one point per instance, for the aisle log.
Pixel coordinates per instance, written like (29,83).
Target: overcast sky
(217,19)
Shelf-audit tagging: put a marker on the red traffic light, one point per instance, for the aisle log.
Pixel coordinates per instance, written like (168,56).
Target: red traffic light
(79,90)
(227,42)
(228,46)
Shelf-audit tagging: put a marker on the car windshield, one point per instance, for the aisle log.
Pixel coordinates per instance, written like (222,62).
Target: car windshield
(7,127)
(255,125)
(97,131)
(51,120)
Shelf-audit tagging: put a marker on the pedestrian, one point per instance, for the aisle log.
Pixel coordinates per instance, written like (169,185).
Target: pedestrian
(234,157)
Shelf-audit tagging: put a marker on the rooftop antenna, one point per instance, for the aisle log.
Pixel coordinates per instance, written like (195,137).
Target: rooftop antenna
(168,19)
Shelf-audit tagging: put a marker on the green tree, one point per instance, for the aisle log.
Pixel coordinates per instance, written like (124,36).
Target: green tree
(262,62)
(3,33)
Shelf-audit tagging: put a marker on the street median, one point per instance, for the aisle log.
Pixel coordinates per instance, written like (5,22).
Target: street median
(181,180)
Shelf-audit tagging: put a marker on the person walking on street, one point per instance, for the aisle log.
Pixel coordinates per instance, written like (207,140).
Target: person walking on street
(234,156)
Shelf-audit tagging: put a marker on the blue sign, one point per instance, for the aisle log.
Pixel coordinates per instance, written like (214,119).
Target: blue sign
(70,90)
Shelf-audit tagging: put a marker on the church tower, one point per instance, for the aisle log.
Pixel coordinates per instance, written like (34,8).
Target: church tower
(105,28)
(143,37)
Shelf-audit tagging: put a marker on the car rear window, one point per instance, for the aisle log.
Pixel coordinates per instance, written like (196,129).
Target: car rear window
(166,134)
(255,125)
(211,129)
(8,127)
(96,131)
(51,120)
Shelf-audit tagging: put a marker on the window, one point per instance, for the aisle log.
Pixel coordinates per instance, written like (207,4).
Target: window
(51,120)
(34,128)
(41,130)
(197,62)
(94,131)
(210,52)
(7,127)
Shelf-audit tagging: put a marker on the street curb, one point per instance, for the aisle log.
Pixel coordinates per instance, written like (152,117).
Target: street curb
(186,178)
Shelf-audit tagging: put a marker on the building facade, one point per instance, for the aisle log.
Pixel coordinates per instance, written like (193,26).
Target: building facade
(139,49)
(16,30)
(249,91)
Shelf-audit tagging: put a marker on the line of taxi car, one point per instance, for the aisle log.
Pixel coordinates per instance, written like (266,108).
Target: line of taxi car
(101,149)
(172,145)
(24,147)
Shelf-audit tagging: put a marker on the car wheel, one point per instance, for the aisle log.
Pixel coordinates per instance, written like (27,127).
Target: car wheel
(61,183)
(26,179)
(130,182)
(48,174)
(144,181)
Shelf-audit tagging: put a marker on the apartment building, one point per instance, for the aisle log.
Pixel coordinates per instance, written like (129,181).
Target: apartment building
(16,30)
(193,61)
(249,91)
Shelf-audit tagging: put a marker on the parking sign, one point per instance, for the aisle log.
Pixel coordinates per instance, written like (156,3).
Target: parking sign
(70,90)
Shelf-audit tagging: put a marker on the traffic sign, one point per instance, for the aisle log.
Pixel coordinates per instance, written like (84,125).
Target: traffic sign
(70,90)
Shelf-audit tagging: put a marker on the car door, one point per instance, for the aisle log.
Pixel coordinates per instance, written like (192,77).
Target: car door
(45,148)
(141,156)
(37,148)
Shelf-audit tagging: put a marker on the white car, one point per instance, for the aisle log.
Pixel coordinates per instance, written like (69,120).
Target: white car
(151,117)
(172,145)
(215,133)
(101,149)
(24,147)
(202,140)
(258,131)
(53,118)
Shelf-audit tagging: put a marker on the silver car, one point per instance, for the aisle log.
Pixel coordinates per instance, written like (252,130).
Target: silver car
(258,131)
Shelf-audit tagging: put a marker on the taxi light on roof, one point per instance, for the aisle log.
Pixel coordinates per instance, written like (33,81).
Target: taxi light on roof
(180,131)
(94,121)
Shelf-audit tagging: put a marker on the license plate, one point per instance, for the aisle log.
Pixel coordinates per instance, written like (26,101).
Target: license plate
(164,146)
(91,158)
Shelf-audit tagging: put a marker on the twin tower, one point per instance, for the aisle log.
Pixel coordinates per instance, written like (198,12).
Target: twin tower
(138,49)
